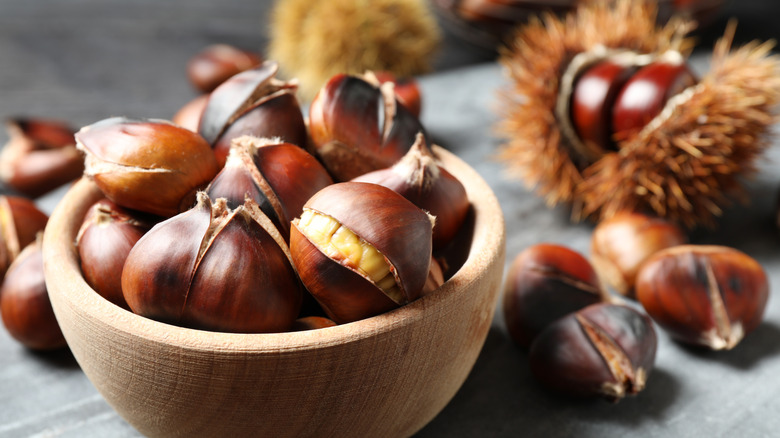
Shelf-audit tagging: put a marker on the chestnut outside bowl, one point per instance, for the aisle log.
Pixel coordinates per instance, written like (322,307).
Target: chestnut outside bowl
(385,376)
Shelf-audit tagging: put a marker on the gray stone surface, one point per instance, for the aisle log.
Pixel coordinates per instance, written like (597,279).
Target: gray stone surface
(83,60)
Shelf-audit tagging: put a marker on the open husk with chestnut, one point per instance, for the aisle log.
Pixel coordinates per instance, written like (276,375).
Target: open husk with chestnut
(270,234)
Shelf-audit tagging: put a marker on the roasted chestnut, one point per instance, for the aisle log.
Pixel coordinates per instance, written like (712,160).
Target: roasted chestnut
(214,268)
(429,186)
(710,296)
(189,115)
(604,350)
(620,244)
(40,156)
(361,249)
(24,302)
(20,222)
(405,89)
(252,103)
(279,177)
(148,165)
(217,63)
(545,283)
(357,127)
(104,241)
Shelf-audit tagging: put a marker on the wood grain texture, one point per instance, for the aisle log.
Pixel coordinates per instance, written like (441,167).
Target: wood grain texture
(385,376)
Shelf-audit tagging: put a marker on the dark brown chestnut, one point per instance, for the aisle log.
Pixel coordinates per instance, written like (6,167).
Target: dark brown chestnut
(24,302)
(280,177)
(710,296)
(217,63)
(361,249)
(357,127)
(545,283)
(418,178)
(254,103)
(620,244)
(646,93)
(105,239)
(406,90)
(20,222)
(604,350)
(149,165)
(40,156)
(214,268)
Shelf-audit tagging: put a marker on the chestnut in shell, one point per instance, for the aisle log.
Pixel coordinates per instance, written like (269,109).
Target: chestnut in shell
(214,268)
(361,249)
(20,222)
(711,296)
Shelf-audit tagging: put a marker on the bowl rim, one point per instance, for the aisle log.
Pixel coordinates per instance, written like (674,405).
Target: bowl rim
(61,265)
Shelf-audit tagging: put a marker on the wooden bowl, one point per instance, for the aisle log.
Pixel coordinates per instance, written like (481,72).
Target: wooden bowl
(384,376)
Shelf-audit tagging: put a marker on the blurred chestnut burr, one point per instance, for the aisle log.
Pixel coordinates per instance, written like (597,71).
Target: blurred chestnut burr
(24,302)
(578,134)
(255,103)
(280,177)
(314,41)
(620,244)
(149,165)
(20,222)
(357,127)
(104,241)
(710,296)
(40,156)
(217,63)
(545,283)
(604,350)
(361,249)
(214,268)
(419,179)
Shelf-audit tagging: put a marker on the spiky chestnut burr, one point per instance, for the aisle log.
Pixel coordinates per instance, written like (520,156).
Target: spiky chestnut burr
(684,165)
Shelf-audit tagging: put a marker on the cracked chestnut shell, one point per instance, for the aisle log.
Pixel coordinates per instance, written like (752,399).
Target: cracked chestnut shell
(620,244)
(418,178)
(604,350)
(20,222)
(361,249)
(710,296)
(357,127)
(105,238)
(405,89)
(24,302)
(214,268)
(280,177)
(149,165)
(545,283)
(254,103)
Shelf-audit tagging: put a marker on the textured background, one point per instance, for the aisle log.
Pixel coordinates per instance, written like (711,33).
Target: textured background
(84,60)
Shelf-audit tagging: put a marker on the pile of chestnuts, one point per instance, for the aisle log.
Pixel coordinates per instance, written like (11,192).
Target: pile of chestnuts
(252,222)
(583,341)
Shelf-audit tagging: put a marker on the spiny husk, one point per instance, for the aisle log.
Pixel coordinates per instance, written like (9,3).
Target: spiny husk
(687,164)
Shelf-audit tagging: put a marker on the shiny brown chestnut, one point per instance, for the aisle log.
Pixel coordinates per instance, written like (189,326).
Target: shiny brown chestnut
(357,127)
(604,350)
(214,268)
(189,115)
(620,244)
(40,156)
(149,165)
(20,222)
(361,249)
(217,63)
(406,90)
(429,186)
(104,240)
(646,93)
(545,283)
(592,99)
(280,177)
(256,103)
(710,296)
(24,303)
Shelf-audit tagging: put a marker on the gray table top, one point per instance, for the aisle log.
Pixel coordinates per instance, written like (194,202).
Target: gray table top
(84,60)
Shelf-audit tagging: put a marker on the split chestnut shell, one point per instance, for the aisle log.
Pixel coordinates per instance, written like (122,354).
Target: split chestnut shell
(384,228)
